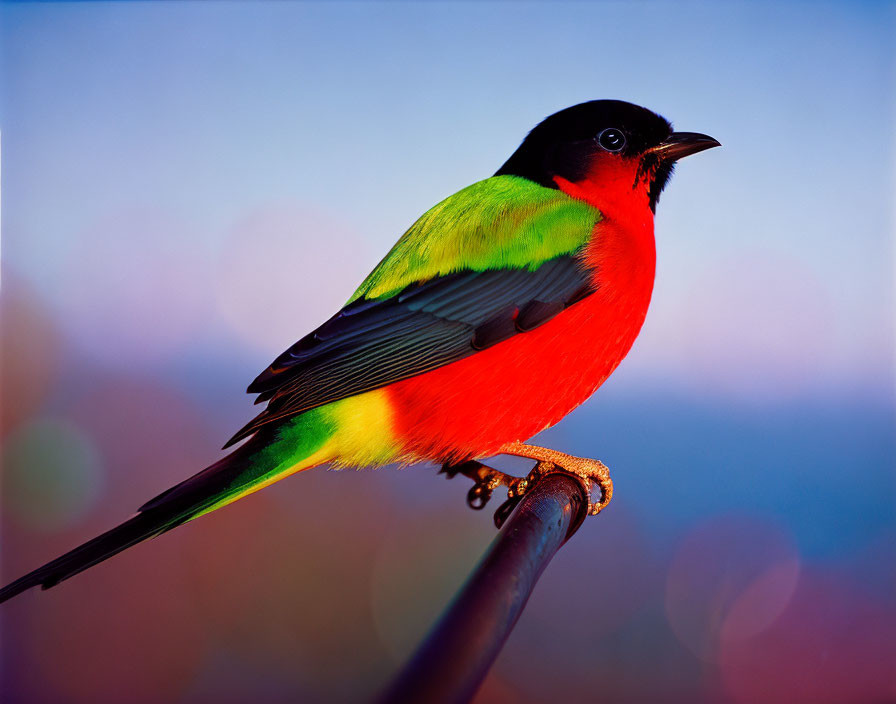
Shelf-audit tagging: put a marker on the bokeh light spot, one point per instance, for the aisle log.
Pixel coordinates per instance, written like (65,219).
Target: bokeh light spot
(31,344)
(831,645)
(762,601)
(141,289)
(283,271)
(730,575)
(51,474)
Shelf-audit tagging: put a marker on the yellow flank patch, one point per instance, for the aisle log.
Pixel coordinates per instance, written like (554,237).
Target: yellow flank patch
(364,433)
(360,435)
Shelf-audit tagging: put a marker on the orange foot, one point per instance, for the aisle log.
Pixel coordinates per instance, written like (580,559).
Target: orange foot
(591,471)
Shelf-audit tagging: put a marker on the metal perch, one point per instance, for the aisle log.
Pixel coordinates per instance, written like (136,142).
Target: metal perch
(452,662)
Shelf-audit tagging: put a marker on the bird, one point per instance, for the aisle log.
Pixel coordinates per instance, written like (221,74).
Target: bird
(499,311)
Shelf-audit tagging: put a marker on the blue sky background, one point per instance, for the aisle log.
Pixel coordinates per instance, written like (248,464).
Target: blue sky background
(189,187)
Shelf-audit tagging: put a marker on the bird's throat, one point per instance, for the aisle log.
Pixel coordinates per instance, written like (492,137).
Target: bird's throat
(622,252)
(618,188)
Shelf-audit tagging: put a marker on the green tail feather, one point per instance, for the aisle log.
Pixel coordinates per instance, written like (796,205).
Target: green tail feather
(259,462)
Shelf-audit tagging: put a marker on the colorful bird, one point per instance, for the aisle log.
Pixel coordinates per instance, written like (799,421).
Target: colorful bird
(499,311)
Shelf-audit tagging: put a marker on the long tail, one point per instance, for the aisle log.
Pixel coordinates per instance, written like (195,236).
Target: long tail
(247,469)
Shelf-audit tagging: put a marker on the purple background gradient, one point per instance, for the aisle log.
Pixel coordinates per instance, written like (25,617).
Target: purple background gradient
(188,188)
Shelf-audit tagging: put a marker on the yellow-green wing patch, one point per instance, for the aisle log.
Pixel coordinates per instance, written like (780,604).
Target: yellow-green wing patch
(503,222)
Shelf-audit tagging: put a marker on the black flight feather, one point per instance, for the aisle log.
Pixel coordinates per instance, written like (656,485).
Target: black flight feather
(372,343)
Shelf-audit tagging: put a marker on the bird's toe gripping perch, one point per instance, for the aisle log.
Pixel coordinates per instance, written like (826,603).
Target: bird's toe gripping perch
(486,479)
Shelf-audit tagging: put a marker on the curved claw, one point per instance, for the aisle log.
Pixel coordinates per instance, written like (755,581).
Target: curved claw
(505,509)
(478,496)
(486,479)
(591,472)
(605,486)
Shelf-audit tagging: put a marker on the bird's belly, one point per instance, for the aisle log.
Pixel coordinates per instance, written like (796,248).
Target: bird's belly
(519,387)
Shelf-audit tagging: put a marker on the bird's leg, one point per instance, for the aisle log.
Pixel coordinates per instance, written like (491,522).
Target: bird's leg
(590,471)
(485,480)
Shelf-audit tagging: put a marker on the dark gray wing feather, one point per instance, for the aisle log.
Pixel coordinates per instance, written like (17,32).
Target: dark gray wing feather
(372,343)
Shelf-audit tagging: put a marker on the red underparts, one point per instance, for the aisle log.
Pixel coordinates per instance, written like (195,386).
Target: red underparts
(519,387)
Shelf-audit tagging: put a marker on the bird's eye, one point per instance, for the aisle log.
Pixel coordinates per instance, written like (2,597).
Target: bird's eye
(611,139)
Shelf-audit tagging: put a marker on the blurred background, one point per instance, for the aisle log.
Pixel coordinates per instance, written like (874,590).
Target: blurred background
(188,188)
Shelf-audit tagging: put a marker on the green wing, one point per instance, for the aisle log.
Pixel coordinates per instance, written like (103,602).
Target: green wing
(503,222)
(493,261)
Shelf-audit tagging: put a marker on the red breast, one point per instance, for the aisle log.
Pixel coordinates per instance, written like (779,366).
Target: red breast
(515,389)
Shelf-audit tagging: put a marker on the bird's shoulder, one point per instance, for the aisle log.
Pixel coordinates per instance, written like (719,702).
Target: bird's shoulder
(502,222)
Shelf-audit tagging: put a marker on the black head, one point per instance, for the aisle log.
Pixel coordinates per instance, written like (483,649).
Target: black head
(566,144)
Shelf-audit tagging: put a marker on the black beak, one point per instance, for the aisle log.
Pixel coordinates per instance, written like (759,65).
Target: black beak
(681,144)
